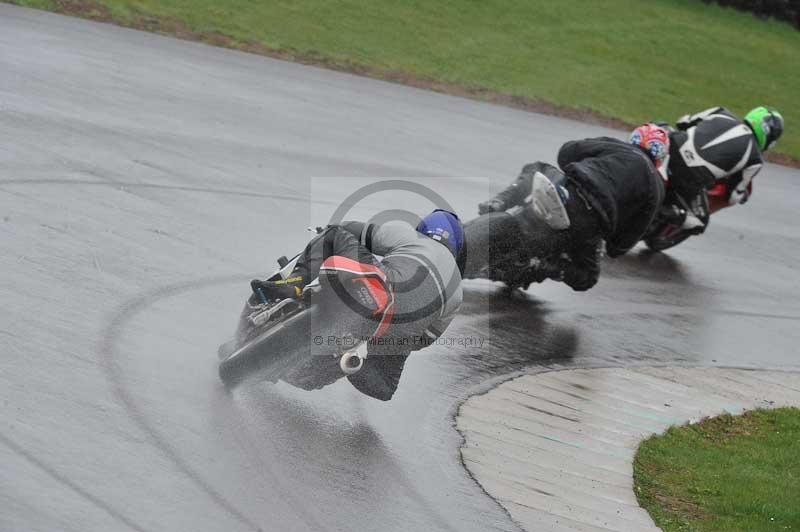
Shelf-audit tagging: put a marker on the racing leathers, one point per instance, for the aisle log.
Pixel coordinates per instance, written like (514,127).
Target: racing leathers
(613,192)
(421,274)
(715,152)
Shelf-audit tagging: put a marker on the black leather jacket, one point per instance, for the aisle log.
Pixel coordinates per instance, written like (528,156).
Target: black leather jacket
(620,182)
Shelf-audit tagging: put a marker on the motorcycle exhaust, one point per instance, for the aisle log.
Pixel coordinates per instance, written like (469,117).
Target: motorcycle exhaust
(352,361)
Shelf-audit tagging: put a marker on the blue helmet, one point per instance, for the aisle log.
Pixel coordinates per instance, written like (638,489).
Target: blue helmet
(445,227)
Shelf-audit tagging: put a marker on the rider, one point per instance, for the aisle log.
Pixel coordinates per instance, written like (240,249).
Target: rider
(606,189)
(411,295)
(716,151)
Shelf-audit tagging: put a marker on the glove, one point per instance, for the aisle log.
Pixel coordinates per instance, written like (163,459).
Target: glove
(580,279)
(492,205)
(288,288)
(738,197)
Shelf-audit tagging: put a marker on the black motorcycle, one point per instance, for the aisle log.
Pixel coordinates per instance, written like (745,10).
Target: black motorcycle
(667,229)
(290,339)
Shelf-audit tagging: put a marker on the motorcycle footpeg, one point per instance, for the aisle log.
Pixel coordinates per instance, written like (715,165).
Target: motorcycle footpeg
(259,318)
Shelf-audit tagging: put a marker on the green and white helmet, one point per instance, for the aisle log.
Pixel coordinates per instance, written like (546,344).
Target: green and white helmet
(767,125)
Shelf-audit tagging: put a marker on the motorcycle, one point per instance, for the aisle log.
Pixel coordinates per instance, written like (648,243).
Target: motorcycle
(501,247)
(667,229)
(291,339)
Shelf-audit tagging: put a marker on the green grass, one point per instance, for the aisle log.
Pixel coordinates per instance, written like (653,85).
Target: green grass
(726,474)
(36,4)
(628,59)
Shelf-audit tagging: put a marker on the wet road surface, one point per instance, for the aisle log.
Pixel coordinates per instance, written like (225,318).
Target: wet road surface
(144,180)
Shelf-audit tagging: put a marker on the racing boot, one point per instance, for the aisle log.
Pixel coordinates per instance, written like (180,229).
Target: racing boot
(501,201)
(492,205)
(517,192)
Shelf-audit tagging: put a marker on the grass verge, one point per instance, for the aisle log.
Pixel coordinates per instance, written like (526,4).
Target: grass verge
(616,62)
(724,474)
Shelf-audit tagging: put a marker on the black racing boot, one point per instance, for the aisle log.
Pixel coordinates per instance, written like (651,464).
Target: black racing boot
(492,205)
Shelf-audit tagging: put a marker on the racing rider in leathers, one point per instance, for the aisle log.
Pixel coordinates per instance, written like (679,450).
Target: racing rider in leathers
(605,190)
(401,303)
(717,153)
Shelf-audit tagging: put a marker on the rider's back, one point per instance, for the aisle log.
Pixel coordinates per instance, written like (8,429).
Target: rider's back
(424,275)
(620,182)
(716,145)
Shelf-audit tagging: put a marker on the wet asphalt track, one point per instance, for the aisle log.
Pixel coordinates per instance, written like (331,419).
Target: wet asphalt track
(143,180)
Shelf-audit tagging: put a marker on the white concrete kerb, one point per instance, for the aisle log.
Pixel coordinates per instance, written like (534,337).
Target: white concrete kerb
(556,449)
